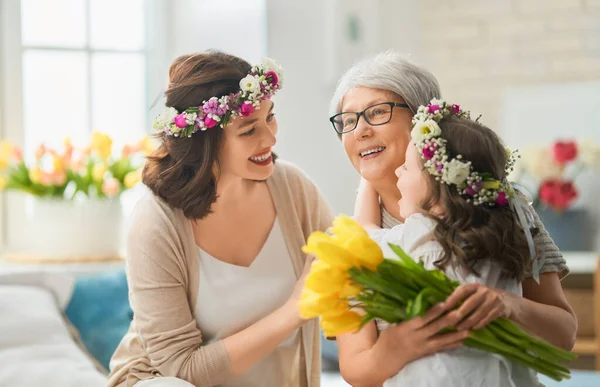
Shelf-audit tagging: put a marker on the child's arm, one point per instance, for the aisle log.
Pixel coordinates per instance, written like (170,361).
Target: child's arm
(366,208)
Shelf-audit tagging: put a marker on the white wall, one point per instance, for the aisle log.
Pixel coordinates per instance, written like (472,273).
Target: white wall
(310,39)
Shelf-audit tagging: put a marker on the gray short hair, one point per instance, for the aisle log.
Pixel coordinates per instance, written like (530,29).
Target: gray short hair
(390,71)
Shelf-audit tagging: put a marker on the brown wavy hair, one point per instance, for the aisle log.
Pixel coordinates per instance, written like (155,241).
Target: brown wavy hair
(470,232)
(183,171)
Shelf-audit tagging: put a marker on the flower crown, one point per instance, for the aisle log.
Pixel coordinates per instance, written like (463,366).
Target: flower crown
(261,83)
(478,188)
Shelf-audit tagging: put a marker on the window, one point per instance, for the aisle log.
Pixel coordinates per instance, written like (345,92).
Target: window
(83,69)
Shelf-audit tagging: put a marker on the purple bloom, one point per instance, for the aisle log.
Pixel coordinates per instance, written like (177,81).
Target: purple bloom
(211,106)
(439,166)
(454,109)
(222,110)
(431,109)
(180,121)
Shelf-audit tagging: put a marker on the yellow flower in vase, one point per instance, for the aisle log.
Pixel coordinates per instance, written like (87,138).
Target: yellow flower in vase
(132,178)
(35,175)
(102,144)
(98,172)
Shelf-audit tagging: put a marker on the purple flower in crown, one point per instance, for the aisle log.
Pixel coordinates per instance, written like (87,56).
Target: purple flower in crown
(502,199)
(432,109)
(247,109)
(439,166)
(455,109)
(474,188)
(181,121)
(272,77)
(211,106)
(222,109)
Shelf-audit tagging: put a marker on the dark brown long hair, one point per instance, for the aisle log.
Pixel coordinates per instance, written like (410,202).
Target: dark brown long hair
(476,232)
(182,170)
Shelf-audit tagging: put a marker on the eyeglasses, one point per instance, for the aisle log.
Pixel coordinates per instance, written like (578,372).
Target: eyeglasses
(378,114)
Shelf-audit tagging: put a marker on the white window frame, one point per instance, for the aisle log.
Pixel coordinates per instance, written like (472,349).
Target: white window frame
(156,51)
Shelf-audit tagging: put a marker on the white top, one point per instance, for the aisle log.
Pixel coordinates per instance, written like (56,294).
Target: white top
(463,366)
(245,295)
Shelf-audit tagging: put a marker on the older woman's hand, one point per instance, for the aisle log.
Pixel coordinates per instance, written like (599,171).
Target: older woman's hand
(421,336)
(480,305)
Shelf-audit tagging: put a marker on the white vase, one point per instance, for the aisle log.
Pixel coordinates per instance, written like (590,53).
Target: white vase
(74,229)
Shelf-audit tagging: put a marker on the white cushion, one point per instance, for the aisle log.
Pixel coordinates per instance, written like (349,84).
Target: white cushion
(36,348)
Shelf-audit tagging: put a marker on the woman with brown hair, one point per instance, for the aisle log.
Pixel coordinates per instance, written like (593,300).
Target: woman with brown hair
(214,259)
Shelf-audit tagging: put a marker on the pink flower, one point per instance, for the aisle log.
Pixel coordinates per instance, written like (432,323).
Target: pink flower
(454,108)
(558,194)
(246,109)
(209,122)
(428,153)
(111,187)
(502,199)
(274,78)
(180,121)
(564,151)
(431,109)
(59,177)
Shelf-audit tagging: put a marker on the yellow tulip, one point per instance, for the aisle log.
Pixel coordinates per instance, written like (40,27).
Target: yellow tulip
(99,171)
(344,227)
(350,290)
(367,251)
(335,255)
(495,184)
(132,178)
(57,163)
(102,143)
(313,304)
(147,145)
(324,278)
(346,322)
(35,175)
(6,152)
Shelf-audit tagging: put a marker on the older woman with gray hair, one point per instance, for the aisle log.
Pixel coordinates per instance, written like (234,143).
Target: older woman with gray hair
(376,100)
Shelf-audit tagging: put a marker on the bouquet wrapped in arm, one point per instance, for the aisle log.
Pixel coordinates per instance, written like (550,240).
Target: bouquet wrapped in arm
(351,284)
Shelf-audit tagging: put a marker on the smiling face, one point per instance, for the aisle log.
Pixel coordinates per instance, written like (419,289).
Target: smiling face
(247,144)
(376,151)
(412,183)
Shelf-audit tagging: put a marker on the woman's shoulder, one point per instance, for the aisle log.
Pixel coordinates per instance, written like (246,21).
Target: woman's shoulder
(287,172)
(152,218)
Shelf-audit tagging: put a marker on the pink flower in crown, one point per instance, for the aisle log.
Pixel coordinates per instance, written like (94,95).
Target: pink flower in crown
(502,199)
(209,122)
(455,109)
(180,121)
(247,109)
(273,76)
(428,152)
(432,109)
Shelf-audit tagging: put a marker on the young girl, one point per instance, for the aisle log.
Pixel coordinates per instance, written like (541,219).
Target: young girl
(458,218)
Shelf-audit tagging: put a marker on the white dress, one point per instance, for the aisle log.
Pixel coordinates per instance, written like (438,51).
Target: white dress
(231,298)
(463,366)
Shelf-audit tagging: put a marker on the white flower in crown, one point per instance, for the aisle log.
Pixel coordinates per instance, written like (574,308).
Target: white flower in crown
(457,172)
(165,119)
(424,130)
(250,84)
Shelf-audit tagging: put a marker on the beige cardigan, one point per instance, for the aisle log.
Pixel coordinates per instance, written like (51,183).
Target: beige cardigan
(162,271)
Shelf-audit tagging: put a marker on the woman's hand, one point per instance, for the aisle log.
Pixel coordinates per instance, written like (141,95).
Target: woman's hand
(291,306)
(420,337)
(480,305)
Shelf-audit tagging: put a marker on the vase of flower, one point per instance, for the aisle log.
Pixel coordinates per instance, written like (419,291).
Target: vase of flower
(550,174)
(82,229)
(73,206)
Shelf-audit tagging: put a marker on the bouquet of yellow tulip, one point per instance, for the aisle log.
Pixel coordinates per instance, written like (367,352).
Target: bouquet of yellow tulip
(352,275)
(91,171)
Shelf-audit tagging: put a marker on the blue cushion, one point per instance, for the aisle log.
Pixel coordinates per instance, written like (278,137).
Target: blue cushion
(99,309)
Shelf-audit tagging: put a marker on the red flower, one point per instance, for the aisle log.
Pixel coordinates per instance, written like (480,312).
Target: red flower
(558,194)
(564,151)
